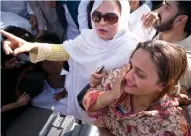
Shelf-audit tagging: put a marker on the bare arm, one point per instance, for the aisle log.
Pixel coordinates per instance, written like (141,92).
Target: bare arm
(22,100)
(10,106)
(103,100)
(96,100)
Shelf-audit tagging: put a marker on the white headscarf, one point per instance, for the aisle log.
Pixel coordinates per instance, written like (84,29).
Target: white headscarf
(88,52)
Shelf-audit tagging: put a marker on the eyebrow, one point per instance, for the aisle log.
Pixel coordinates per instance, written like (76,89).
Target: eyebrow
(167,3)
(137,68)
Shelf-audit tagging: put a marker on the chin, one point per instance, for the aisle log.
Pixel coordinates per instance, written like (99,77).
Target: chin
(132,90)
(129,90)
(104,38)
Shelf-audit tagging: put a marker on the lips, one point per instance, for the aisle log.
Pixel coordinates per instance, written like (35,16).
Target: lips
(102,31)
(129,84)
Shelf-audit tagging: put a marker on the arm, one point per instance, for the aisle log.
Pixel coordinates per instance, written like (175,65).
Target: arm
(22,100)
(37,51)
(35,6)
(10,106)
(83,15)
(51,52)
(29,10)
(96,100)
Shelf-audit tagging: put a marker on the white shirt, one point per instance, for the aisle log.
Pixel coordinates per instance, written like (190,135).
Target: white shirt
(21,8)
(72,30)
(136,25)
(83,15)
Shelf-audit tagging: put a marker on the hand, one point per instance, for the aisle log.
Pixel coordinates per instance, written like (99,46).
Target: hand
(33,21)
(40,33)
(96,79)
(23,99)
(118,85)
(60,95)
(150,18)
(15,45)
(183,99)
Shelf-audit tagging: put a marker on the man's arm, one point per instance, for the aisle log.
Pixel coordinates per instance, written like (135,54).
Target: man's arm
(35,6)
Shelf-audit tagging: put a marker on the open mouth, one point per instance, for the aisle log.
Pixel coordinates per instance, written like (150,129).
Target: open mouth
(102,31)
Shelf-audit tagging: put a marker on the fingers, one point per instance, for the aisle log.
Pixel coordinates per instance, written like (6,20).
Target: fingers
(34,24)
(19,50)
(122,74)
(11,43)
(98,76)
(33,21)
(7,47)
(25,95)
(144,19)
(150,19)
(7,34)
(96,79)
(120,78)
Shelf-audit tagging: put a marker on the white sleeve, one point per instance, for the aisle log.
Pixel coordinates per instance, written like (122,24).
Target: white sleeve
(38,12)
(29,10)
(83,15)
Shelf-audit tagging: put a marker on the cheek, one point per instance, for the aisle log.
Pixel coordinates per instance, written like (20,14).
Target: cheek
(112,29)
(144,83)
(141,83)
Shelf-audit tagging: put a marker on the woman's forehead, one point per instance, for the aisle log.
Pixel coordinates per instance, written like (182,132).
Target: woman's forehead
(109,7)
(142,59)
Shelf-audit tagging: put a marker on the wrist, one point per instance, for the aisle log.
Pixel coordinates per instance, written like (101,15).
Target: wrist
(17,104)
(114,95)
(34,48)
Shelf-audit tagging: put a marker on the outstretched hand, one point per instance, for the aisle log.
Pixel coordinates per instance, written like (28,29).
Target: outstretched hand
(15,45)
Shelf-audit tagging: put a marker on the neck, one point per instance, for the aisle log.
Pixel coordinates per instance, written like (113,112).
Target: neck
(141,103)
(172,36)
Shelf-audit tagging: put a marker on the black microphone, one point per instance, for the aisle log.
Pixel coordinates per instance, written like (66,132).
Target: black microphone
(86,88)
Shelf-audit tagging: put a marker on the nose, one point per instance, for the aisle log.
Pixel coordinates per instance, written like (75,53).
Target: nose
(102,22)
(130,75)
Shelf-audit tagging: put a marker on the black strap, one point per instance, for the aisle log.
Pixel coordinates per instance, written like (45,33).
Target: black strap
(80,96)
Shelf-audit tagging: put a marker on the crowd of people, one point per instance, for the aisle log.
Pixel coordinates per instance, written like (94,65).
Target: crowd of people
(52,49)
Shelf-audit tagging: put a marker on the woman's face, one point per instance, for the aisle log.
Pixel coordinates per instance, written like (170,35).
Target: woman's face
(143,78)
(104,30)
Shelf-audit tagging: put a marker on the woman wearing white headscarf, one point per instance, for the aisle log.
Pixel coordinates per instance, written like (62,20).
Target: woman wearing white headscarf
(109,43)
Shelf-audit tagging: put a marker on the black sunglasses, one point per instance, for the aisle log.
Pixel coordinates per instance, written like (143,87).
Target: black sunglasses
(109,18)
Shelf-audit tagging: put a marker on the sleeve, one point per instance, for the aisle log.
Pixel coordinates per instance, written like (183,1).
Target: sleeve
(51,52)
(36,8)
(90,98)
(106,85)
(29,10)
(83,15)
